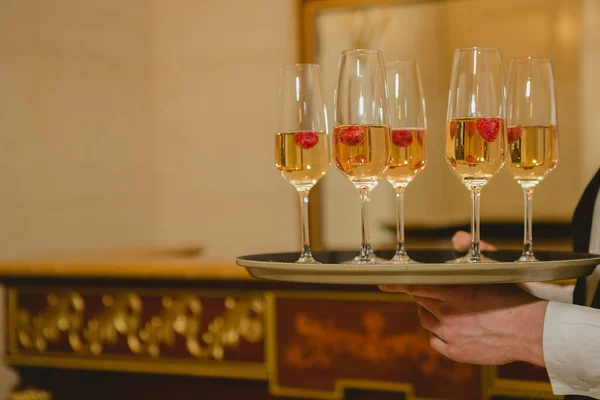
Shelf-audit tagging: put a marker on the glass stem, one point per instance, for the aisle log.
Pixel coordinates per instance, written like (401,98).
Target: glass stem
(400,250)
(305,255)
(528,226)
(364,244)
(475,231)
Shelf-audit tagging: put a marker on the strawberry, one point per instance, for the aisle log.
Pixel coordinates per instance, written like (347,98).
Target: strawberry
(470,159)
(307,140)
(514,133)
(351,135)
(453,162)
(488,128)
(402,137)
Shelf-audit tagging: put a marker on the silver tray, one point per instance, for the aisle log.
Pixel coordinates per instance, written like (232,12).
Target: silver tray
(434,269)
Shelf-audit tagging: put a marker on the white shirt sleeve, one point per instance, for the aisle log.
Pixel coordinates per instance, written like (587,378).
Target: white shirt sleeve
(572,349)
(550,291)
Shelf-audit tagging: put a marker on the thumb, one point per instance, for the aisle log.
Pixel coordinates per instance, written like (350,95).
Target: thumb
(461,241)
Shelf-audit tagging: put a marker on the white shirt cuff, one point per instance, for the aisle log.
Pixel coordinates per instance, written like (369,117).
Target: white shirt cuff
(572,349)
(550,291)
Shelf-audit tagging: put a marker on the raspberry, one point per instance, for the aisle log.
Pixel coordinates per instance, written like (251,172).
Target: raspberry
(470,128)
(402,137)
(453,162)
(470,159)
(307,140)
(488,128)
(360,159)
(351,135)
(452,129)
(514,133)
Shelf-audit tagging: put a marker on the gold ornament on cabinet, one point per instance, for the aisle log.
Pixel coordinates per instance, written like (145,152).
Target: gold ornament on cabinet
(30,394)
(121,316)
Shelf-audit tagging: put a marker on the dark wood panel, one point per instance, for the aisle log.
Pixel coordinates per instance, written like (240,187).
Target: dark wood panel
(346,340)
(523,371)
(89,385)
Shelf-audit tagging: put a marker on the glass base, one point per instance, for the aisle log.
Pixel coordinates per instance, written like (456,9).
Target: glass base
(373,259)
(357,261)
(527,257)
(468,259)
(376,259)
(401,259)
(307,260)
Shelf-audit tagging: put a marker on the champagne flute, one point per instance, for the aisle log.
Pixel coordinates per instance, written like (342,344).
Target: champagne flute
(476,139)
(532,131)
(362,132)
(302,144)
(408,136)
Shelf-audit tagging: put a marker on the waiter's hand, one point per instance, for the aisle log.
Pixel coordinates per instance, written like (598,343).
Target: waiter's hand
(480,324)
(462,241)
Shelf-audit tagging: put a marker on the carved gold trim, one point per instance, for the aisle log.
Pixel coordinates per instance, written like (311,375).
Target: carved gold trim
(168,366)
(523,389)
(224,331)
(486,378)
(122,316)
(12,306)
(31,394)
(517,388)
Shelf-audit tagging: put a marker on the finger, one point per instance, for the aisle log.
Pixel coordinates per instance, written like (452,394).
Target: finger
(485,246)
(428,321)
(393,288)
(434,306)
(461,241)
(439,292)
(439,345)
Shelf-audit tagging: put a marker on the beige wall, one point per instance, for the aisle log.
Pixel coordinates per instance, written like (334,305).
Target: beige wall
(589,140)
(217,65)
(547,28)
(76,141)
(142,122)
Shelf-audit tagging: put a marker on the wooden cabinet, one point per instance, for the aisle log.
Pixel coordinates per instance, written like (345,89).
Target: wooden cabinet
(183,329)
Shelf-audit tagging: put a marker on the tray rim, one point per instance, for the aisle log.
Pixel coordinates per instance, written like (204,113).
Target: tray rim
(422,273)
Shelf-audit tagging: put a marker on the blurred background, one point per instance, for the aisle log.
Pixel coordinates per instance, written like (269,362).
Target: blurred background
(137,124)
(150,123)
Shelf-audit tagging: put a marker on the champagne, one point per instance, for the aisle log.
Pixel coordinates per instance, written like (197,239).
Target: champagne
(302,157)
(362,152)
(475,148)
(409,155)
(533,153)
